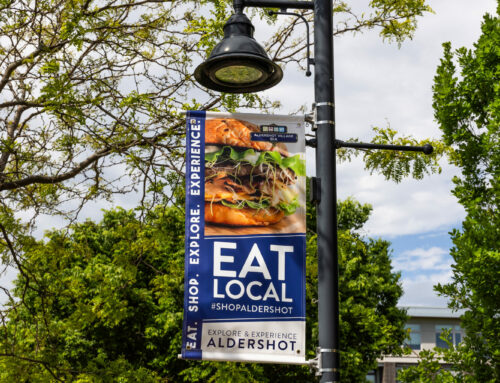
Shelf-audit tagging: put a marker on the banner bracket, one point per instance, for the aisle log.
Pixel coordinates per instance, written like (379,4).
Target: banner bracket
(316,363)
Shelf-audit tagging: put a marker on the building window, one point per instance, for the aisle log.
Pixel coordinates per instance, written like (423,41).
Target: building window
(414,341)
(370,377)
(454,335)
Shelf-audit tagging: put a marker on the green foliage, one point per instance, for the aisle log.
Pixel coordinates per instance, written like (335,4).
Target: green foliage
(371,324)
(468,110)
(428,370)
(89,85)
(102,302)
(96,305)
(467,107)
(404,24)
(396,165)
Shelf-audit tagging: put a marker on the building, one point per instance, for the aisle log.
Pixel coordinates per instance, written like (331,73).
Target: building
(426,325)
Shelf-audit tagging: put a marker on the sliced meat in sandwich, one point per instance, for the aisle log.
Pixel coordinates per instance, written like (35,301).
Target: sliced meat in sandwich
(247,183)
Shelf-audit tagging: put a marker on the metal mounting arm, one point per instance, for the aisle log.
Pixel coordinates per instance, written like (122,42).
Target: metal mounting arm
(281,4)
(426,149)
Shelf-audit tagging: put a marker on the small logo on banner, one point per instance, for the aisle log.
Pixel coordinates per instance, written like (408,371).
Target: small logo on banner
(273,133)
(273,128)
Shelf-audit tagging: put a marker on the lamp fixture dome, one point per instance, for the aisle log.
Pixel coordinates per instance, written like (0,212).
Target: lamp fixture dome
(238,64)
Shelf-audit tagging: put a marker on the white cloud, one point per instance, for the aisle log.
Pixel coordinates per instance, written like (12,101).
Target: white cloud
(434,234)
(418,291)
(434,258)
(410,207)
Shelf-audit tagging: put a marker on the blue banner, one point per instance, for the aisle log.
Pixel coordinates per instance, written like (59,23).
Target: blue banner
(245,239)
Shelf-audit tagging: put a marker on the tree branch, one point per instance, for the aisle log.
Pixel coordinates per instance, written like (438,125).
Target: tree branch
(16,64)
(43,179)
(44,364)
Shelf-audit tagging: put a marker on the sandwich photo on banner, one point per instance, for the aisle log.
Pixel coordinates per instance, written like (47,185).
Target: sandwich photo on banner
(254,182)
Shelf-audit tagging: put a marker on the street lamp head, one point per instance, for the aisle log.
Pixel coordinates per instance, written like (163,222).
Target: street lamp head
(238,64)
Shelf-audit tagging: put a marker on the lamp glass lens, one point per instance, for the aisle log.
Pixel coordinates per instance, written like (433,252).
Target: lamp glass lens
(238,74)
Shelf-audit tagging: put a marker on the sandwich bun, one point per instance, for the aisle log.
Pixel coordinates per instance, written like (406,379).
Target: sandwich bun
(232,132)
(224,215)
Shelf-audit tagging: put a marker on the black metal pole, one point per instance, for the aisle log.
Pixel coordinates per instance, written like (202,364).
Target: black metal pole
(326,208)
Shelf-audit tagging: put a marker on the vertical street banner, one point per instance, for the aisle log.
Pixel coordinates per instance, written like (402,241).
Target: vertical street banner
(244,296)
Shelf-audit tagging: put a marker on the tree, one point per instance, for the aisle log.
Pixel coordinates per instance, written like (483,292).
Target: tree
(102,302)
(428,370)
(467,107)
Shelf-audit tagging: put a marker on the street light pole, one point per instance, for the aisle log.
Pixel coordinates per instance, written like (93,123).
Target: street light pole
(326,203)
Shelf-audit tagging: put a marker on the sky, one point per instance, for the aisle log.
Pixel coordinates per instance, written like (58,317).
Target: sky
(378,83)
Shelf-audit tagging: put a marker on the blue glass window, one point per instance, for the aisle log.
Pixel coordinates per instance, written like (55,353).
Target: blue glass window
(415,339)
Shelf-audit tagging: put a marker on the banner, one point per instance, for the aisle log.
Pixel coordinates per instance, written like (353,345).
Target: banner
(245,238)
